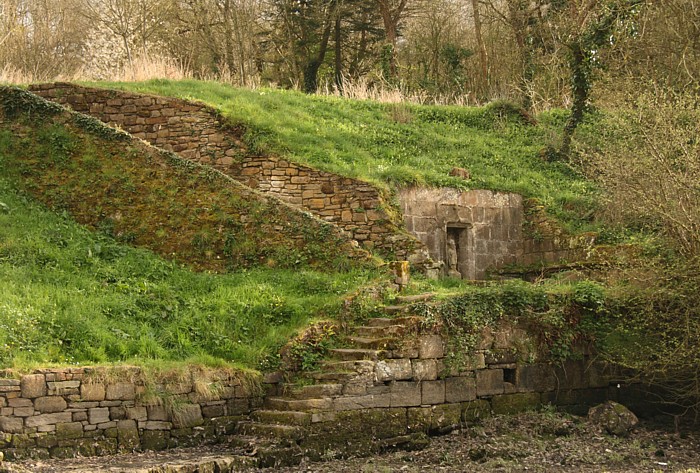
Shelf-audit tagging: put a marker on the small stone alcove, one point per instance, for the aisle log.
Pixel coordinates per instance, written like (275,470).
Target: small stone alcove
(457,251)
(465,232)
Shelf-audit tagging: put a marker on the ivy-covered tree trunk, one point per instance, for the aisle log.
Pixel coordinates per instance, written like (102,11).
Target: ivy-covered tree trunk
(580,65)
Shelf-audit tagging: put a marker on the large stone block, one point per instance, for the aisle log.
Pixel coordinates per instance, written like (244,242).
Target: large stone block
(188,415)
(158,413)
(69,430)
(128,435)
(513,403)
(121,392)
(424,370)
(11,425)
(431,346)
(460,389)
(137,413)
(49,404)
(536,377)
(489,382)
(394,370)
(473,411)
(98,415)
(47,419)
(33,386)
(433,392)
(92,392)
(370,401)
(405,394)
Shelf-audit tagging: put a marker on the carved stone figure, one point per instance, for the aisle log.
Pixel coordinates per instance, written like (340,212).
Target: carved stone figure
(452,258)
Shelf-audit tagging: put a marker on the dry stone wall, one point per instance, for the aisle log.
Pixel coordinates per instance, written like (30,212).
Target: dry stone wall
(355,206)
(199,133)
(67,412)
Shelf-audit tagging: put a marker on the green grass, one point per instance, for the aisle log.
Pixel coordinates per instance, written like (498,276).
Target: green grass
(399,144)
(70,296)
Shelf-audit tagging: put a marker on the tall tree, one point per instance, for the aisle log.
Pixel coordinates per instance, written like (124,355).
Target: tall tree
(392,12)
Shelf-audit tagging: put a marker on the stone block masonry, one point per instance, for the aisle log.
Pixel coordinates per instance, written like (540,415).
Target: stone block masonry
(199,133)
(65,412)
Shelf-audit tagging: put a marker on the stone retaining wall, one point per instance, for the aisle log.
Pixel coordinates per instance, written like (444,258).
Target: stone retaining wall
(199,133)
(78,411)
(421,389)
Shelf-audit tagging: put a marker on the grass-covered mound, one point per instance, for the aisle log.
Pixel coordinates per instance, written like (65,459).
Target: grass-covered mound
(69,295)
(154,199)
(398,143)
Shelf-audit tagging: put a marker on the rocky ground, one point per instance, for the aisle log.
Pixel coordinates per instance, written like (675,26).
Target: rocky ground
(537,442)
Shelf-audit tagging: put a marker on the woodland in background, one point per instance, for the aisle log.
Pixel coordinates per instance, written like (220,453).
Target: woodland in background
(447,51)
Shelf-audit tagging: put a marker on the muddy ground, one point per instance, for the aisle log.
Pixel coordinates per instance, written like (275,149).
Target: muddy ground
(533,442)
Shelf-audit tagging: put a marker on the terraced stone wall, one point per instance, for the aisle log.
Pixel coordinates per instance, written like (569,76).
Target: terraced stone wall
(199,133)
(79,411)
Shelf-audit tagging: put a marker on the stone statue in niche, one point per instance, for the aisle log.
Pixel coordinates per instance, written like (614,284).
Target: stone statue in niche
(452,258)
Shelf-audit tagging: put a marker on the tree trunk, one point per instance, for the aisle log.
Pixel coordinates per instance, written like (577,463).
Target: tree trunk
(390,18)
(338,55)
(314,64)
(483,53)
(580,88)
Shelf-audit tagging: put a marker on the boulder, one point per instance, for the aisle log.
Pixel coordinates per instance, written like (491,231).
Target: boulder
(614,418)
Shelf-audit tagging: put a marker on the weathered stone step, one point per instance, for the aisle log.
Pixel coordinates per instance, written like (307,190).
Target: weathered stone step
(354,367)
(394,309)
(338,376)
(351,354)
(407,321)
(417,298)
(384,343)
(378,332)
(303,405)
(312,391)
(272,431)
(282,417)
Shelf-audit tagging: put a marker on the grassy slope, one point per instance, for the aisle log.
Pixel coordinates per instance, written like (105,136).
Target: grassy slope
(400,144)
(72,296)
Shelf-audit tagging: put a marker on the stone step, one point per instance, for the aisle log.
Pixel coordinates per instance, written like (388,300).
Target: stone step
(352,354)
(338,376)
(417,298)
(378,332)
(394,309)
(354,367)
(313,391)
(282,417)
(384,343)
(271,431)
(406,320)
(303,405)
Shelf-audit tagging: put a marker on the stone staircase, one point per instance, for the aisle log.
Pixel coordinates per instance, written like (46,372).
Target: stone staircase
(352,379)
